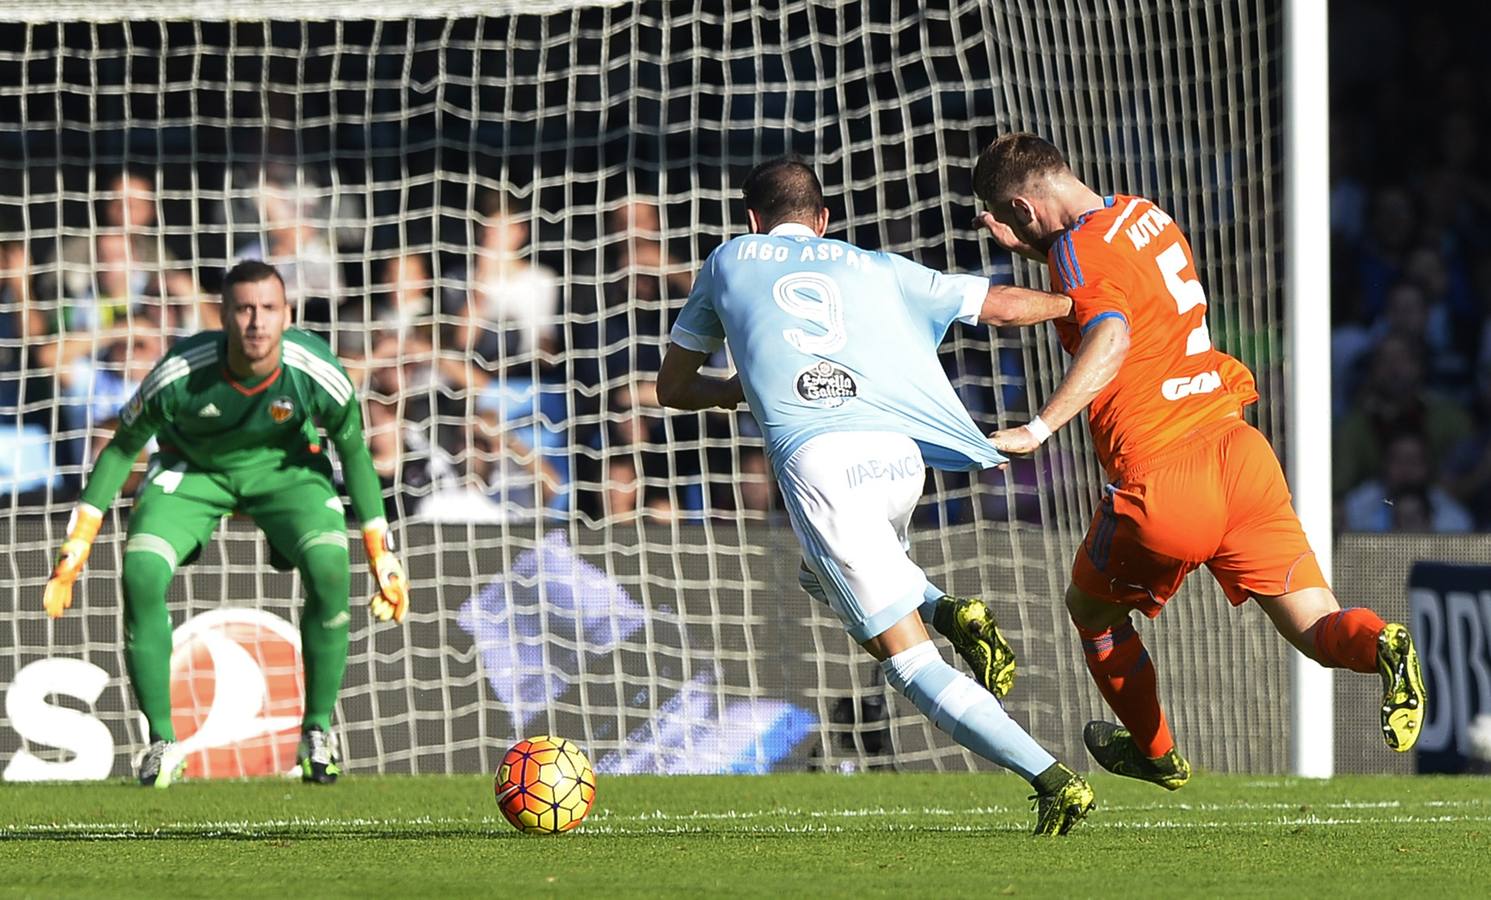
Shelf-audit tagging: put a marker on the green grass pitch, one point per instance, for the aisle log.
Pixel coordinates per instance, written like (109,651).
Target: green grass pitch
(785,835)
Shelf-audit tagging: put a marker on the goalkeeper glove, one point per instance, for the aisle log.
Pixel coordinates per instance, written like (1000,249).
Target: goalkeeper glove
(82,528)
(391,600)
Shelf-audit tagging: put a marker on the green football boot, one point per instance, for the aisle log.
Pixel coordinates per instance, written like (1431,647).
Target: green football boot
(971,629)
(162,765)
(1059,811)
(318,758)
(1402,688)
(1114,749)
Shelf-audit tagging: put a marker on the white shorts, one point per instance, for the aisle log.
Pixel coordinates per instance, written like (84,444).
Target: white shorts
(850,496)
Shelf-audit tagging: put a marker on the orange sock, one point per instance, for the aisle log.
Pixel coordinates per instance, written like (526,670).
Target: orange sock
(1347,639)
(1124,673)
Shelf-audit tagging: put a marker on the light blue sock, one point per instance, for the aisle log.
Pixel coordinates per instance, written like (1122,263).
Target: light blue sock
(930,595)
(958,706)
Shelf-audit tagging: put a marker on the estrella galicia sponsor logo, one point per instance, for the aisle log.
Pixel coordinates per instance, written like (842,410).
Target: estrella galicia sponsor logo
(826,384)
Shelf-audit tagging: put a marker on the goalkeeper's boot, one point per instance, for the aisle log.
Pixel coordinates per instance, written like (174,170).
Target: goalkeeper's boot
(162,765)
(317,756)
(1059,811)
(1402,688)
(970,627)
(1114,749)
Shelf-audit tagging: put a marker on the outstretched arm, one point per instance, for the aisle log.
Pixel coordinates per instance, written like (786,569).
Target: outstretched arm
(1097,361)
(111,470)
(681,385)
(344,426)
(139,421)
(363,487)
(1006,304)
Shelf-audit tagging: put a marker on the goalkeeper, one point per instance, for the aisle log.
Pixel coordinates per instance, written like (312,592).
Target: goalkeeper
(236,412)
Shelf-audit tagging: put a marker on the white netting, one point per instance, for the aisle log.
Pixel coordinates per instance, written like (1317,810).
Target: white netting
(492,218)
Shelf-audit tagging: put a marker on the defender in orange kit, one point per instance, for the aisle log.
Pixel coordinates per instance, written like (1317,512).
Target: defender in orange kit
(1190,482)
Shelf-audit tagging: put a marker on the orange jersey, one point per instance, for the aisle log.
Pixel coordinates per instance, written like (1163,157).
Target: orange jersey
(1129,260)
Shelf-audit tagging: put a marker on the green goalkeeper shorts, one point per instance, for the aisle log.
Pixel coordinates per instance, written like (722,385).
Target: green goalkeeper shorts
(178,508)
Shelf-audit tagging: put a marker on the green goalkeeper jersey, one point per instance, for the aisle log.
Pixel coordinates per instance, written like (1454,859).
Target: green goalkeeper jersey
(214,423)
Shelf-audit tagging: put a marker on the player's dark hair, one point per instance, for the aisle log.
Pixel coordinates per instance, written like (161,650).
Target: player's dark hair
(248,272)
(491,204)
(783,190)
(1008,165)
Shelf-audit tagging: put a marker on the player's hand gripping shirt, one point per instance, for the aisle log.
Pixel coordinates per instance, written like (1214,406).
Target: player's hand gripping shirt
(828,337)
(215,423)
(1129,260)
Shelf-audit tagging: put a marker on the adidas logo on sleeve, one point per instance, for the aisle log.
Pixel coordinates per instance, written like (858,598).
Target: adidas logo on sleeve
(210,411)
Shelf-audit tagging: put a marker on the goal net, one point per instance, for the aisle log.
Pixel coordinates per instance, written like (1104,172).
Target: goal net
(492,212)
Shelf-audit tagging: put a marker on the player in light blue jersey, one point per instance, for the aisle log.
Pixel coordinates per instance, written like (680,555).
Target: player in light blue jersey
(836,349)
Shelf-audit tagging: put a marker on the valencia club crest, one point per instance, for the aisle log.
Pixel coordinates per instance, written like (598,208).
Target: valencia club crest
(281,409)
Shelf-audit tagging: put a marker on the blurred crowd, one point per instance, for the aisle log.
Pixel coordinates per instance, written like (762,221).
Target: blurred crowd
(493,389)
(1411,266)
(505,376)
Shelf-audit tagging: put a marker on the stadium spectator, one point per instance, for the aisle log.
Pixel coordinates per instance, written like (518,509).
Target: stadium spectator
(641,282)
(1412,252)
(292,214)
(1404,495)
(1478,336)
(640,254)
(491,476)
(97,373)
(1380,260)
(1349,192)
(512,308)
(96,386)
(1351,343)
(1448,303)
(409,381)
(1394,400)
(1468,468)
(114,383)
(530,415)
(1409,314)
(95,280)
(638,467)
(24,385)
(400,418)
(403,302)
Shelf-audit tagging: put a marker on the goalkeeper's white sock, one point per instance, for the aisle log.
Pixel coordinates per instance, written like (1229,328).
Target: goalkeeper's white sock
(957,705)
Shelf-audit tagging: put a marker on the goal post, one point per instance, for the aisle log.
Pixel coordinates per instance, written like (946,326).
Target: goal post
(1307,297)
(492,212)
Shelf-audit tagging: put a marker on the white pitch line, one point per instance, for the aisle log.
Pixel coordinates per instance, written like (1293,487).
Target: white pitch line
(726,815)
(681,824)
(1096,822)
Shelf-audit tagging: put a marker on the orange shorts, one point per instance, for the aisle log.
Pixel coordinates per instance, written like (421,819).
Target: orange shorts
(1219,498)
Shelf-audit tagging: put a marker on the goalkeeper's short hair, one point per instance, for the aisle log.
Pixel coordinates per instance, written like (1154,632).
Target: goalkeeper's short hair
(249,271)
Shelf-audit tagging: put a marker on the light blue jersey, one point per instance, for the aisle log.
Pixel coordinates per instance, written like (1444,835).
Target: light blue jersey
(828,337)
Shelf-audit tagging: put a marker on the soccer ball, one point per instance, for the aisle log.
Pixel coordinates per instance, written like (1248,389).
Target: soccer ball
(545,785)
